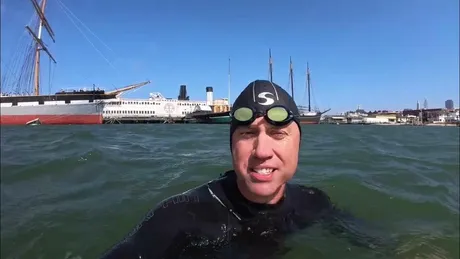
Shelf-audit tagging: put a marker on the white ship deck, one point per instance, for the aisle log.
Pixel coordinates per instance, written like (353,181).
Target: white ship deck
(155,106)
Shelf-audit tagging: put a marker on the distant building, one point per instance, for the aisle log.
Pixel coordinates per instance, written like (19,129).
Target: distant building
(449,104)
(418,106)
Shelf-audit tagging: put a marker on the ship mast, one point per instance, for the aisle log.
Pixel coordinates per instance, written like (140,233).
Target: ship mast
(39,43)
(308,87)
(229,85)
(270,63)
(291,77)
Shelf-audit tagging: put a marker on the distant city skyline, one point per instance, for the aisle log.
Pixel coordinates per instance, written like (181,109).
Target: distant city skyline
(371,53)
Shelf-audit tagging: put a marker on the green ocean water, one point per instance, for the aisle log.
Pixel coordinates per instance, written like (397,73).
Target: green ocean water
(74,191)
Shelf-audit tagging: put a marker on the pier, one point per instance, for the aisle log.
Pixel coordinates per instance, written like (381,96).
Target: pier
(143,120)
(198,117)
(209,118)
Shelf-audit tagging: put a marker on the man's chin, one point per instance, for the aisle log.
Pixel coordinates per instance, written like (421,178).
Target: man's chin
(263,190)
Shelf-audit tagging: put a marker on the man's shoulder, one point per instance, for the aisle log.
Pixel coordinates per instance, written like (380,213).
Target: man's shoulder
(310,196)
(162,228)
(182,201)
(197,198)
(178,209)
(308,190)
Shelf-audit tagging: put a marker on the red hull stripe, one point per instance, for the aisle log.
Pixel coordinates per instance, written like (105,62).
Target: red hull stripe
(51,119)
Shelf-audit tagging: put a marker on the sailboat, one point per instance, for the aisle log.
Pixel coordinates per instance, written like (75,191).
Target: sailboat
(307,115)
(84,106)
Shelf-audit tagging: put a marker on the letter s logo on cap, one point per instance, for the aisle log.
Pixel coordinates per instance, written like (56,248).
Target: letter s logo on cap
(268,100)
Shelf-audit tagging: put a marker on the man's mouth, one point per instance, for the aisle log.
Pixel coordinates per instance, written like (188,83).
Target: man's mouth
(263,171)
(261,174)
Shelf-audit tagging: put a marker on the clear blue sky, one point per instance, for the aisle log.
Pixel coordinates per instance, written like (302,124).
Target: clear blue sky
(377,54)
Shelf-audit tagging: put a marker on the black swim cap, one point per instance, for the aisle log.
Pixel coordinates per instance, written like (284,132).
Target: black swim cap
(261,95)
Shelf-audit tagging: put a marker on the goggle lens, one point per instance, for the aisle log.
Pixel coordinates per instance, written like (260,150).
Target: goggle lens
(274,114)
(243,114)
(277,114)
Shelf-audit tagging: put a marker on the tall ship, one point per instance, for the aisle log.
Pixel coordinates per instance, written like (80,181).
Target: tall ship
(21,106)
(307,114)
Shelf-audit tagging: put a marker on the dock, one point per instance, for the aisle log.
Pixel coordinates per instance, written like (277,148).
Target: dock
(143,120)
(209,118)
(195,118)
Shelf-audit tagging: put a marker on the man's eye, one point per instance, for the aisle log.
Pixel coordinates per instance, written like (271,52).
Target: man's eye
(248,133)
(278,134)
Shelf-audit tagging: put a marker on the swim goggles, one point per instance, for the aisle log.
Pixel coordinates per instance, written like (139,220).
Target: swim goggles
(277,115)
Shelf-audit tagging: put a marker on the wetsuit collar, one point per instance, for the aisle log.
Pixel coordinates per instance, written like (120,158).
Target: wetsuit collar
(228,194)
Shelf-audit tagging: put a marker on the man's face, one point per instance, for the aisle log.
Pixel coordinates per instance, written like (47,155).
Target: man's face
(264,158)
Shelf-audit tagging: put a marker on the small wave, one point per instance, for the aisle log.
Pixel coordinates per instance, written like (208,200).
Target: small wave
(423,246)
(66,182)
(186,154)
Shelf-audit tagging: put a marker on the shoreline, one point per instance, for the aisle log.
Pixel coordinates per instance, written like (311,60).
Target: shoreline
(399,124)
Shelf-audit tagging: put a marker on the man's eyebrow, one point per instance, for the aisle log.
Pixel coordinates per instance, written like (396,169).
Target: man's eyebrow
(246,127)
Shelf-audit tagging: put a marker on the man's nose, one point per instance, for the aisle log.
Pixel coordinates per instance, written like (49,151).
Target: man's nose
(263,147)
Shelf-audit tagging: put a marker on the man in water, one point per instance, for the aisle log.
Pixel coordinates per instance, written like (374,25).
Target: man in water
(247,212)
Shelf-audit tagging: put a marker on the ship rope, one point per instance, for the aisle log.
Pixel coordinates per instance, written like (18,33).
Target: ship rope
(313,102)
(313,99)
(288,84)
(69,15)
(51,70)
(19,74)
(86,27)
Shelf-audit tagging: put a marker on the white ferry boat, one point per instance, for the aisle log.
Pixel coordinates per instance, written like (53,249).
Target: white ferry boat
(158,106)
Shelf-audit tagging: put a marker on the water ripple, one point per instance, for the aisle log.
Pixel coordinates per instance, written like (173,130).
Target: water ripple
(61,183)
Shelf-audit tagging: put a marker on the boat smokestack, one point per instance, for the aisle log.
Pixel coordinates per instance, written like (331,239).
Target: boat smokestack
(209,96)
(183,93)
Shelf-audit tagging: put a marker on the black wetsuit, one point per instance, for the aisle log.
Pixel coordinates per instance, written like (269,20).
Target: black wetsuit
(215,221)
